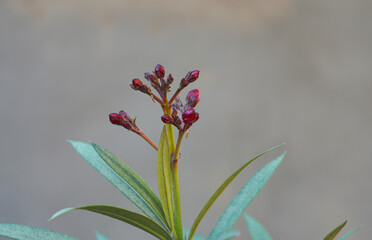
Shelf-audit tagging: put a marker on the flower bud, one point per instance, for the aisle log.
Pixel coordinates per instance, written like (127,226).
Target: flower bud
(183,83)
(190,116)
(116,119)
(192,98)
(167,119)
(192,76)
(159,71)
(136,84)
(170,79)
(152,78)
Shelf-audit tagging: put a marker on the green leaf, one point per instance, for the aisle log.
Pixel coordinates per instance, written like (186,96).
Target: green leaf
(196,236)
(237,206)
(164,177)
(255,229)
(335,231)
(90,155)
(132,218)
(220,189)
(349,233)
(229,234)
(23,232)
(133,179)
(100,236)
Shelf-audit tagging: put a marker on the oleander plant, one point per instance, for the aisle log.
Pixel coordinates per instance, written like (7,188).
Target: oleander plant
(161,214)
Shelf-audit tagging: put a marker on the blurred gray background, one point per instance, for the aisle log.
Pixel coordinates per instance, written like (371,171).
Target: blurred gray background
(293,71)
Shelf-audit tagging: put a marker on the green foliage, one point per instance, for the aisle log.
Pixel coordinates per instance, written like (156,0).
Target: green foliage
(255,229)
(133,179)
(335,231)
(229,234)
(124,215)
(237,206)
(23,232)
(164,178)
(89,154)
(100,236)
(219,191)
(349,233)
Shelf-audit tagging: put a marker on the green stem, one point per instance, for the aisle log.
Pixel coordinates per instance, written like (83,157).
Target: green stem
(176,189)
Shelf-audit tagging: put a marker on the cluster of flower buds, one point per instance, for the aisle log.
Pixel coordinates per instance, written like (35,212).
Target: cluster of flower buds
(124,120)
(158,81)
(172,106)
(189,116)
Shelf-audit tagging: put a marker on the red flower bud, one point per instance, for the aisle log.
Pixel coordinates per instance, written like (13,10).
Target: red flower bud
(167,119)
(192,76)
(190,116)
(151,78)
(116,119)
(136,84)
(159,71)
(170,79)
(192,98)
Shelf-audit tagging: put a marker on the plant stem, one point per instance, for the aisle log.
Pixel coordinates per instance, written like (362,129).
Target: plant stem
(174,96)
(148,140)
(157,99)
(176,189)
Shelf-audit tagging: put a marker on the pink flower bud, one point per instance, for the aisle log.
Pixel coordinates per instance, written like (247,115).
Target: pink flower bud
(192,98)
(136,84)
(159,71)
(116,119)
(167,119)
(190,116)
(192,76)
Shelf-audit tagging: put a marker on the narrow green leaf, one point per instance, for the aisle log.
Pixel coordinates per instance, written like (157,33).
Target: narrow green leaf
(90,155)
(164,177)
(133,179)
(220,189)
(196,236)
(237,206)
(23,232)
(349,233)
(132,218)
(100,236)
(229,234)
(335,231)
(255,229)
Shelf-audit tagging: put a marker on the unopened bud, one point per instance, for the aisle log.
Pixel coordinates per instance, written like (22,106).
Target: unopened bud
(146,89)
(116,119)
(190,116)
(167,119)
(183,83)
(192,98)
(170,79)
(152,78)
(159,71)
(136,84)
(192,76)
